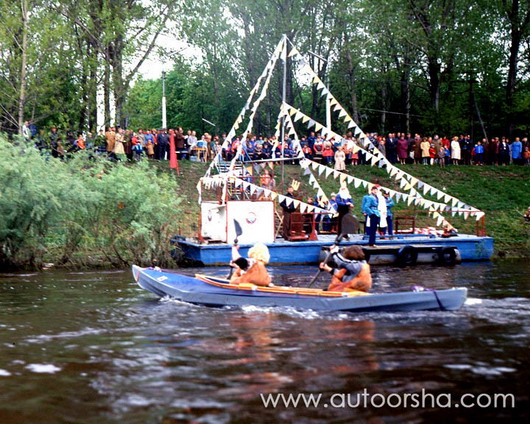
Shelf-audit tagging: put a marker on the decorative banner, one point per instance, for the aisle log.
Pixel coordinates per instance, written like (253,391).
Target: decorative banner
(348,119)
(373,154)
(394,172)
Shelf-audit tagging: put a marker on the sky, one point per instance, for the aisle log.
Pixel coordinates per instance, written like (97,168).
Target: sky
(153,66)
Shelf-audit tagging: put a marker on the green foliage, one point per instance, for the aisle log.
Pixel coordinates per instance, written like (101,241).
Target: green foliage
(396,65)
(83,210)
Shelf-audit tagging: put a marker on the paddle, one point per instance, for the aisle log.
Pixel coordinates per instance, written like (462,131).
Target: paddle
(348,227)
(239,231)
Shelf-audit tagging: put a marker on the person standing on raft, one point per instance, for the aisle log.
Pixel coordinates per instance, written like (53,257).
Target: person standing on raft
(350,272)
(251,270)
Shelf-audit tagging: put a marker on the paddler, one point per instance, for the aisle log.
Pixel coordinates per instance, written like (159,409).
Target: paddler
(350,271)
(251,270)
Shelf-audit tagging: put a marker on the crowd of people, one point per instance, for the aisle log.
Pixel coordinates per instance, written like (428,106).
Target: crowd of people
(121,144)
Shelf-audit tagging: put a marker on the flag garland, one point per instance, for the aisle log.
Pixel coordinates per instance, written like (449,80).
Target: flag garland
(394,172)
(410,184)
(267,72)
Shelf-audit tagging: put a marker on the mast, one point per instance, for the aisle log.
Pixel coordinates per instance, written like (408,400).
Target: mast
(284,91)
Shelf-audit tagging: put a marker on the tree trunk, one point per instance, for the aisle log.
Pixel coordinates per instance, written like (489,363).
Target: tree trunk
(384,95)
(515,42)
(405,93)
(24,58)
(119,88)
(434,83)
(353,86)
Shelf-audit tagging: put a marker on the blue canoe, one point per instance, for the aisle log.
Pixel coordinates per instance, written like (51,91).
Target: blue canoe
(216,292)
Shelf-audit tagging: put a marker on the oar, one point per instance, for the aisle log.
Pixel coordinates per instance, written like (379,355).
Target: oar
(347,227)
(239,231)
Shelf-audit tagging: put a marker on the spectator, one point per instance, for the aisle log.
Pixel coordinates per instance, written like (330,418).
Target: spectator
(479,153)
(402,150)
(340,160)
(517,152)
(425,155)
(455,151)
(504,152)
(466,147)
(119,151)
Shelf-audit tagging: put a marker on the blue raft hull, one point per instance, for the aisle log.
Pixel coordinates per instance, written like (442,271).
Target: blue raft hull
(216,292)
(471,248)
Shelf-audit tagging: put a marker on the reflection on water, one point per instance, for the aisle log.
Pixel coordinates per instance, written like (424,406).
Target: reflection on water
(92,347)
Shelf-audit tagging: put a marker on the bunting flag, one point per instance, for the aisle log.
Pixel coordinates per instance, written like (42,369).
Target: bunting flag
(280,49)
(266,75)
(404,179)
(343,114)
(409,199)
(414,189)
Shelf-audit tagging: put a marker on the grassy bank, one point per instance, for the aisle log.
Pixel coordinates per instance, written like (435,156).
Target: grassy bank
(502,192)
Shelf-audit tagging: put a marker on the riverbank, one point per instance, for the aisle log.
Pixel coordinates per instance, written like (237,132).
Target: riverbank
(502,192)
(89,212)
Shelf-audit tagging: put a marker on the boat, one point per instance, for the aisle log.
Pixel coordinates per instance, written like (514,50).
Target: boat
(467,247)
(217,292)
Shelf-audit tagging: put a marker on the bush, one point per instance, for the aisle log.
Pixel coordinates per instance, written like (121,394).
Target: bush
(83,210)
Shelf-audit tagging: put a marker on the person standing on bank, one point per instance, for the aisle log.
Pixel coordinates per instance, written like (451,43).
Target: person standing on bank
(288,209)
(344,202)
(389,216)
(370,210)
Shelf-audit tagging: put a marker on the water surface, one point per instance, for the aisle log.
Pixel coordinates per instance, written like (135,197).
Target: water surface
(92,347)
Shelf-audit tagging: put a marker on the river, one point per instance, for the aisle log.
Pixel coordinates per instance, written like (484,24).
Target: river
(92,347)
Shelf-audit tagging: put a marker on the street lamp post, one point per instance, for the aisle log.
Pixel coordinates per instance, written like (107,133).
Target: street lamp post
(164,117)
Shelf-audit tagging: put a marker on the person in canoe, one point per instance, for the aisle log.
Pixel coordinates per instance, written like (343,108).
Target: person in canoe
(350,271)
(251,270)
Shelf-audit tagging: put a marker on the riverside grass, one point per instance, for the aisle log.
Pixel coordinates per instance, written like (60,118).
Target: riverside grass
(503,192)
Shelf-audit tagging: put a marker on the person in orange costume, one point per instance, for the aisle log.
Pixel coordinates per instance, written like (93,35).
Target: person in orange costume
(251,270)
(351,271)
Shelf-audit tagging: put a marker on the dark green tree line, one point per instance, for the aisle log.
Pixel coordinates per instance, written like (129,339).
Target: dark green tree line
(397,65)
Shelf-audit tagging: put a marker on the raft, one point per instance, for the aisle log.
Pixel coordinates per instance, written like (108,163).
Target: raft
(216,292)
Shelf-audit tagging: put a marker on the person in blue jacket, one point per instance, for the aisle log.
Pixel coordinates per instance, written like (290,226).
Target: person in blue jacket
(517,149)
(389,215)
(370,210)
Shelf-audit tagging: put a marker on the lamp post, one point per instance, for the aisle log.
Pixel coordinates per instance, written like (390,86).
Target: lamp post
(164,117)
